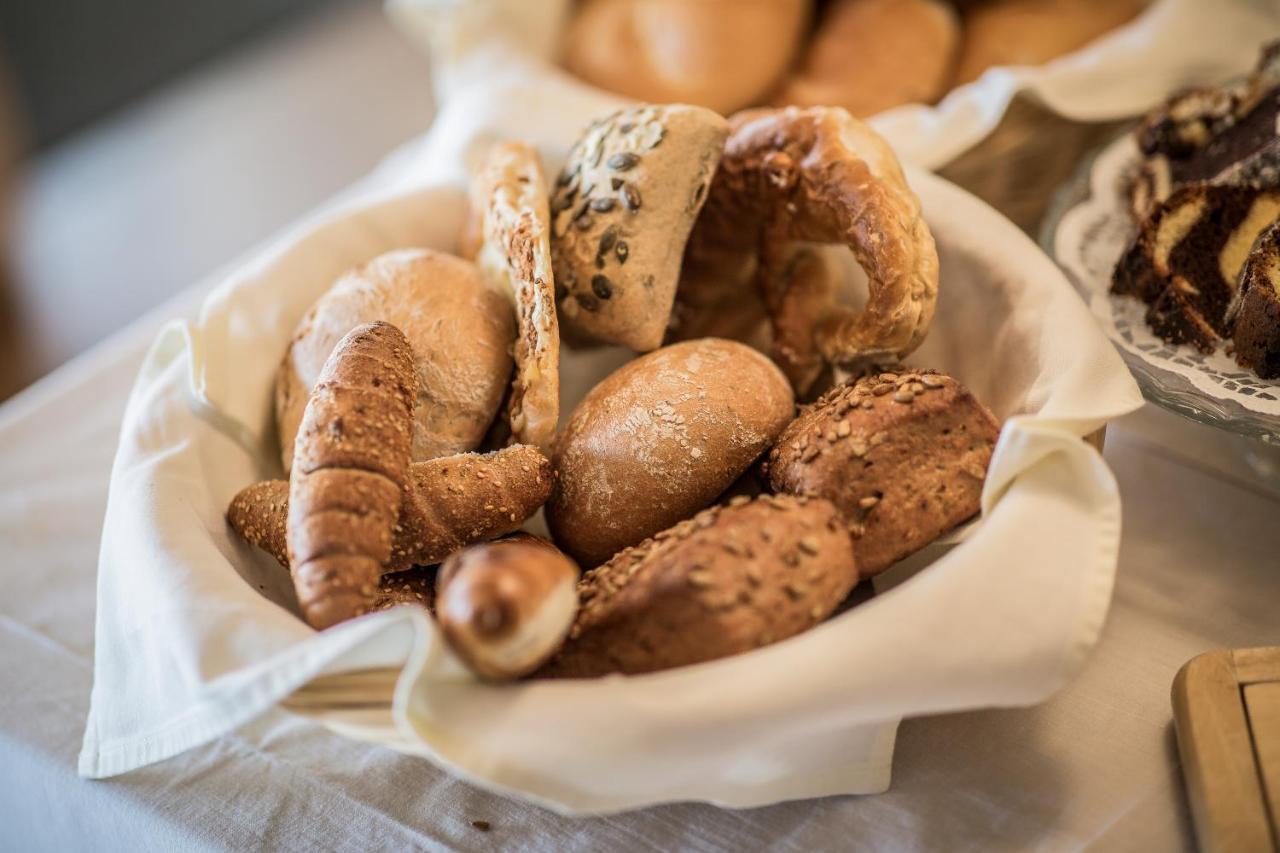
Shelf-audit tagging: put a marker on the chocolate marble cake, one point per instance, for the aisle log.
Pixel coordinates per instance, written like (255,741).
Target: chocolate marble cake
(1222,135)
(1186,259)
(1254,315)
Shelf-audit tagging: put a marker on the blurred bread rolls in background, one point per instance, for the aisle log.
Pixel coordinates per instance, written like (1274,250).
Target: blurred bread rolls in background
(721,54)
(1032,32)
(871,55)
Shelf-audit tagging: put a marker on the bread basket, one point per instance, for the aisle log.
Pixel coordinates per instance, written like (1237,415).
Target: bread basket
(197,633)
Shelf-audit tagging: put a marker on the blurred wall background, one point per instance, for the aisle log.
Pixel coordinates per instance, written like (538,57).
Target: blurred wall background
(144,143)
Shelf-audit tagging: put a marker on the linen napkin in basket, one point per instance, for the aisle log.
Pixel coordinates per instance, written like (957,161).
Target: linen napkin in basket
(197,632)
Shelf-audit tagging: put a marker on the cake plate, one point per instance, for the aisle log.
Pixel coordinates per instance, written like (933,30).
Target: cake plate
(1085,230)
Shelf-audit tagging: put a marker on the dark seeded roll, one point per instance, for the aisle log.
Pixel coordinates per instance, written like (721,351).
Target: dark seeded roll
(903,456)
(726,581)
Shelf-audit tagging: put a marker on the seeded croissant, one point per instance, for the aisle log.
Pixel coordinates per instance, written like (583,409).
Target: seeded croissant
(350,468)
(453,501)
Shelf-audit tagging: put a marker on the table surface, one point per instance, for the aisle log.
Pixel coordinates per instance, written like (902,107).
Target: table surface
(1094,765)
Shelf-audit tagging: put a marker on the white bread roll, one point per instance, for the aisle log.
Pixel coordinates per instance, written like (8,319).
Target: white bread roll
(872,55)
(1032,32)
(459,325)
(721,54)
(659,439)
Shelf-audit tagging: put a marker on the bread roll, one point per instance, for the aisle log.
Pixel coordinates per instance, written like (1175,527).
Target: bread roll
(729,580)
(818,175)
(720,54)
(872,55)
(506,606)
(903,455)
(658,440)
(459,326)
(510,196)
(1032,32)
(623,208)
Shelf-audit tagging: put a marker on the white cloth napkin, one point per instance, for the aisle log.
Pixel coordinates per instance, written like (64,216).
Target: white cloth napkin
(197,632)
(1174,43)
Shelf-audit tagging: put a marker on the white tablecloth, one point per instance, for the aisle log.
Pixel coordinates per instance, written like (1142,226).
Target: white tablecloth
(1096,764)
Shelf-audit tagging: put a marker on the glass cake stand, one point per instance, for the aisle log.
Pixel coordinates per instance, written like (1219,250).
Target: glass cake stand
(1084,230)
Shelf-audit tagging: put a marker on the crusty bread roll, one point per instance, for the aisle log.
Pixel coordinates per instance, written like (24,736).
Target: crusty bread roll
(729,580)
(819,175)
(1032,32)
(871,55)
(460,328)
(623,207)
(720,54)
(658,440)
(510,197)
(903,456)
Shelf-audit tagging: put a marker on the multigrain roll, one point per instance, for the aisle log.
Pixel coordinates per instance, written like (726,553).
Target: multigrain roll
(658,439)
(720,54)
(623,208)
(726,581)
(459,326)
(902,454)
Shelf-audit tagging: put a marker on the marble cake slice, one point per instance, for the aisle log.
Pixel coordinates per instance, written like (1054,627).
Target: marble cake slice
(1224,135)
(1186,258)
(1254,315)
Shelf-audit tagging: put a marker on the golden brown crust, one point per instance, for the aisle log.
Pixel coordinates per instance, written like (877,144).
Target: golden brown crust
(471,497)
(868,56)
(505,607)
(1032,32)
(510,193)
(720,54)
(729,580)
(456,500)
(819,175)
(459,326)
(415,586)
(658,439)
(350,466)
(258,514)
(903,455)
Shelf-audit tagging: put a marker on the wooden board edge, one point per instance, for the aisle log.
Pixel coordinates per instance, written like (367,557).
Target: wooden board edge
(1227,802)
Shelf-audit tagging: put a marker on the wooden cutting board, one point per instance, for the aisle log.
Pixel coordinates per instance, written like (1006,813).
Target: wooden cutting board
(1226,709)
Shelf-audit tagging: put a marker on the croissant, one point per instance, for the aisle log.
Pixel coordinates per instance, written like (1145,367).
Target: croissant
(350,468)
(452,502)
